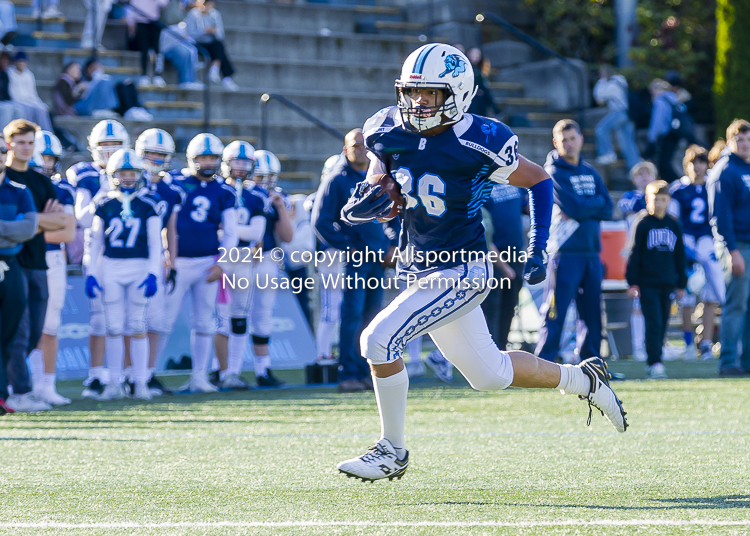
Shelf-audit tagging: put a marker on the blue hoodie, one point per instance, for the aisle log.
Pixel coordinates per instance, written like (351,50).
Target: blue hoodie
(582,196)
(332,195)
(728,188)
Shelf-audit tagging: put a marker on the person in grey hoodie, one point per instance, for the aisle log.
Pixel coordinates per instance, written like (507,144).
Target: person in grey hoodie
(579,195)
(205,25)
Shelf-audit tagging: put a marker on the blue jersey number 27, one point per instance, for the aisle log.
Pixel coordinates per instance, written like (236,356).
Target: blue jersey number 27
(429,187)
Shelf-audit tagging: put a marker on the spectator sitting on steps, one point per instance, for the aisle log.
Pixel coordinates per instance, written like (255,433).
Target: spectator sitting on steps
(22,91)
(205,25)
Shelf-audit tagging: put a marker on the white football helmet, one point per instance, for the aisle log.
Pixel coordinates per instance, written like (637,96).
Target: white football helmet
(238,160)
(158,141)
(126,160)
(204,145)
(267,169)
(436,66)
(46,144)
(111,132)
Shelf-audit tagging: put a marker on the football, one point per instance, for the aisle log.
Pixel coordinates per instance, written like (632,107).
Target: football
(393,190)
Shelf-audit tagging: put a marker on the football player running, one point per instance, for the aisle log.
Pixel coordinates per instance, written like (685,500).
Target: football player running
(209,208)
(446,162)
(43,360)
(278,223)
(106,138)
(230,341)
(126,256)
(156,147)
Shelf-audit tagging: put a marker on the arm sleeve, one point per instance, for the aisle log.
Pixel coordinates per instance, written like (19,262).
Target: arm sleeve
(229,224)
(84,208)
(680,260)
(253,231)
(576,206)
(325,215)
(634,259)
(19,230)
(219,26)
(96,246)
(153,230)
(540,212)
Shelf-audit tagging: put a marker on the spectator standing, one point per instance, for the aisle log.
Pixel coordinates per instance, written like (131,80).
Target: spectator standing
(18,223)
(482,103)
(22,89)
(359,305)
(205,25)
(96,20)
(729,207)
(612,89)
(51,9)
(505,206)
(8,25)
(576,269)
(20,136)
(143,25)
(182,54)
(656,267)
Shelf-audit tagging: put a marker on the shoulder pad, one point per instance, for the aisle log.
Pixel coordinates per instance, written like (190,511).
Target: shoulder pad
(384,133)
(489,137)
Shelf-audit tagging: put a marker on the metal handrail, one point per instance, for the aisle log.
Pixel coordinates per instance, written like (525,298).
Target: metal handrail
(266,97)
(526,38)
(125,4)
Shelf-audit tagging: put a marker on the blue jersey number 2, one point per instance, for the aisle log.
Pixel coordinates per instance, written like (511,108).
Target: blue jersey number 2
(428,188)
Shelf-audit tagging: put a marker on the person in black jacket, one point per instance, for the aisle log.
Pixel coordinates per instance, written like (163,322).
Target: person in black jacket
(656,267)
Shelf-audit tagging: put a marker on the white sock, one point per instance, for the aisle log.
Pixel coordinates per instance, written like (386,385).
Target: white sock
(638,331)
(36,368)
(223,374)
(391,395)
(139,356)
(573,381)
(324,337)
(236,347)
(262,362)
(115,358)
(151,371)
(163,340)
(49,380)
(97,373)
(414,349)
(201,349)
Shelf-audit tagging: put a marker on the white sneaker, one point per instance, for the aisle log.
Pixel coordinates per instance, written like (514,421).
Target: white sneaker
(104,114)
(113,391)
(138,114)
(229,84)
(143,81)
(690,353)
(606,159)
(601,396)
(142,392)
(416,368)
(199,384)
(49,395)
(639,354)
(196,86)
(656,372)
(213,75)
(378,462)
(158,81)
(707,352)
(52,13)
(233,381)
(442,368)
(27,403)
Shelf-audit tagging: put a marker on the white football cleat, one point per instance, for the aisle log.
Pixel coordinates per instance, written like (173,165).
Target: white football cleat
(113,391)
(380,461)
(199,384)
(27,403)
(49,395)
(601,396)
(657,371)
(142,392)
(233,381)
(442,368)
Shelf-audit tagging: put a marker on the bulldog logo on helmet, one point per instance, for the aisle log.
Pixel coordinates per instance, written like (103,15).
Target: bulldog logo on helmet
(453,64)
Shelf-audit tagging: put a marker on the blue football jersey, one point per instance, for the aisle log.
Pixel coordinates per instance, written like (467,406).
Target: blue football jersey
(249,203)
(66,194)
(126,238)
(199,219)
(693,202)
(632,202)
(445,180)
(272,216)
(171,197)
(87,176)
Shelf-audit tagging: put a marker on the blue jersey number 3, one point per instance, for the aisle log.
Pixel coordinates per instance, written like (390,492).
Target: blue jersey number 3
(428,188)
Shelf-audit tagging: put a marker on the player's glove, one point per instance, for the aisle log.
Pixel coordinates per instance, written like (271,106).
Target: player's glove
(150,284)
(366,205)
(171,280)
(535,270)
(91,285)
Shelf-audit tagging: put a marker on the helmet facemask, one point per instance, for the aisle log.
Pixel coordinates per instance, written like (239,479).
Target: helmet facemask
(205,171)
(128,180)
(156,163)
(47,165)
(240,169)
(267,182)
(102,153)
(422,118)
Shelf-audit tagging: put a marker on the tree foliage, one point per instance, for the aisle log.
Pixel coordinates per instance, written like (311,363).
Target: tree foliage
(732,76)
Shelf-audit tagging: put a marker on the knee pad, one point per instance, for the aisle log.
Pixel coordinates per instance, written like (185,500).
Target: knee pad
(257,339)
(239,326)
(500,379)
(135,326)
(98,326)
(374,344)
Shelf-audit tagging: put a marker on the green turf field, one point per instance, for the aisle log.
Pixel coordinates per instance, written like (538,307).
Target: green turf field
(510,462)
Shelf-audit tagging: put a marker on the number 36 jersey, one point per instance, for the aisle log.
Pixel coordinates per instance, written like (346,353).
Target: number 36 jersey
(445,180)
(200,217)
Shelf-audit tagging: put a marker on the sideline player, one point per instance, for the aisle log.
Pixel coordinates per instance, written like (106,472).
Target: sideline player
(278,223)
(207,210)
(126,255)
(690,198)
(446,162)
(43,360)
(106,138)
(230,341)
(156,147)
